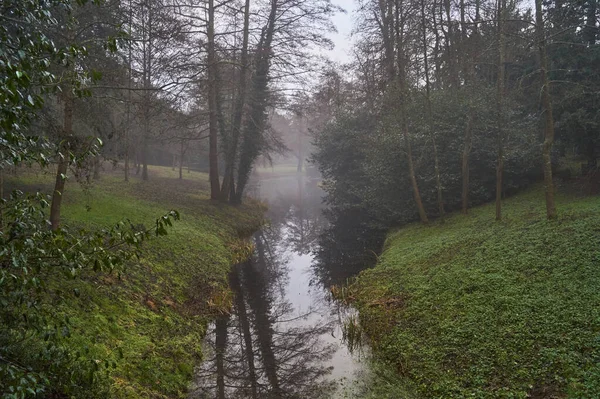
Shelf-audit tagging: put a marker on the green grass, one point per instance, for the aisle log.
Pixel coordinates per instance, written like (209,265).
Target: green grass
(151,320)
(478,308)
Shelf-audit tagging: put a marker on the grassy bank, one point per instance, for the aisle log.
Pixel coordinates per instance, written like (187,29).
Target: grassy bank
(150,320)
(486,309)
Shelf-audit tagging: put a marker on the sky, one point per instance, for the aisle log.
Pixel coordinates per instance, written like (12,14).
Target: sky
(344,23)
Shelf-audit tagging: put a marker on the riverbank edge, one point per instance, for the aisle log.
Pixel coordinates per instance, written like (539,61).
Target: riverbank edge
(145,326)
(474,307)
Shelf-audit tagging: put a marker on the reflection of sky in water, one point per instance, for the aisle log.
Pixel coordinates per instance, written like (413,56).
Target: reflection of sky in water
(294,330)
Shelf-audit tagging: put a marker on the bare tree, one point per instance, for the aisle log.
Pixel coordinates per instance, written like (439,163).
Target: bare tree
(402,88)
(500,106)
(468,144)
(213,152)
(440,196)
(228,187)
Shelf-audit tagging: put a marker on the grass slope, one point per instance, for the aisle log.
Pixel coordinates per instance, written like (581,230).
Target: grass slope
(151,320)
(486,309)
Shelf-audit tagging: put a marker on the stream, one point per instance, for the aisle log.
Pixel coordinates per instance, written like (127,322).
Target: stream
(283,338)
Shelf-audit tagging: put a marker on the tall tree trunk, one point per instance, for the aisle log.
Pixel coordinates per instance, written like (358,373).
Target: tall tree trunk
(145,150)
(438,180)
(437,58)
(138,164)
(401,88)
(590,36)
(126,166)
(465,163)
(63,161)
(129,83)
(228,187)
(449,44)
(469,62)
(386,16)
(413,177)
(547,102)
(213,151)
(464,52)
(500,108)
(255,122)
(181,156)
(97,165)
(147,78)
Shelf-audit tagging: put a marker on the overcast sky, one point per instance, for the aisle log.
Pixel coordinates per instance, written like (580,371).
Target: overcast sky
(343,22)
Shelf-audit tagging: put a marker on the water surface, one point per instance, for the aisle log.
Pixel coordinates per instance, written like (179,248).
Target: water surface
(283,338)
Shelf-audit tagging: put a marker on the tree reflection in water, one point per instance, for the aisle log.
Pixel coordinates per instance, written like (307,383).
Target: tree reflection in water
(263,350)
(269,346)
(345,247)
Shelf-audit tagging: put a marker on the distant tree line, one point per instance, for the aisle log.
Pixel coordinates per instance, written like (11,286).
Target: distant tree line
(452,104)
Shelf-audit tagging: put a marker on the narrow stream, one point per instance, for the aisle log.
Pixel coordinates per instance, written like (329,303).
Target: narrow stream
(284,336)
